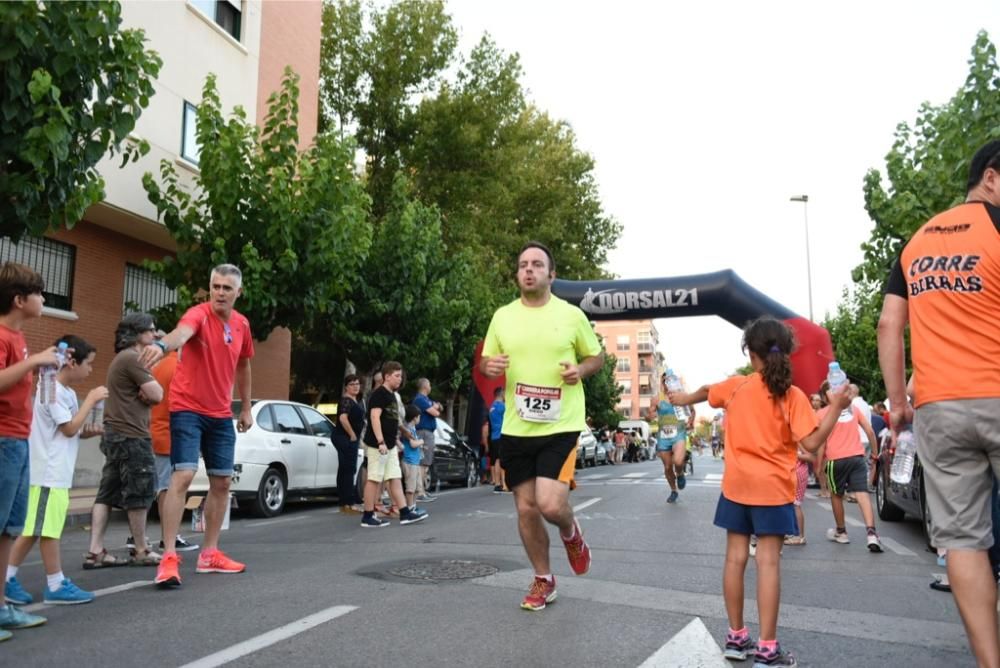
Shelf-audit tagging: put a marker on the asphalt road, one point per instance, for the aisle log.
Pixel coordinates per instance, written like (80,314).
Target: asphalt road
(321,591)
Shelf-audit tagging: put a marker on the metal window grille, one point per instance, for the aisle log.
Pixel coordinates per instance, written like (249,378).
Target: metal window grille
(145,291)
(54,260)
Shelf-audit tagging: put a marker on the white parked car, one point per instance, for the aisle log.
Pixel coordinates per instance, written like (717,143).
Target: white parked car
(287,451)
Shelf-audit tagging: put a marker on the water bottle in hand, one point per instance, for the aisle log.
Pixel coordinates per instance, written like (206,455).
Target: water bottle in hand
(902,461)
(836,376)
(47,376)
(97,414)
(674,384)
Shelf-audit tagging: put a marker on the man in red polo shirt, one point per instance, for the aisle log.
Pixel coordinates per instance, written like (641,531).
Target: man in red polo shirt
(217,347)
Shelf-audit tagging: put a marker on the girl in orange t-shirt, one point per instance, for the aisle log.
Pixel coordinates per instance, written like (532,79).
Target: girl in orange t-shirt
(766,418)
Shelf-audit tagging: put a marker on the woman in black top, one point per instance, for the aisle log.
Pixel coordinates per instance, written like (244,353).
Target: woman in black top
(346,432)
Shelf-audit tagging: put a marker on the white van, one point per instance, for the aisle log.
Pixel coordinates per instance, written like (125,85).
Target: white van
(640,426)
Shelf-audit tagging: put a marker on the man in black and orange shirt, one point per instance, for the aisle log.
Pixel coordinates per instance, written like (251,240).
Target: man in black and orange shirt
(946,285)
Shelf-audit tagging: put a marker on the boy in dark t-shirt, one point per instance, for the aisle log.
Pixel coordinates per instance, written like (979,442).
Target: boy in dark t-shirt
(380,449)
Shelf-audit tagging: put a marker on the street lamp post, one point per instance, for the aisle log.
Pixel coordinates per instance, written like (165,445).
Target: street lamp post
(805,214)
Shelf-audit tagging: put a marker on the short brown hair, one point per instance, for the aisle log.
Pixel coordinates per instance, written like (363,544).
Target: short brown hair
(540,246)
(390,367)
(17,280)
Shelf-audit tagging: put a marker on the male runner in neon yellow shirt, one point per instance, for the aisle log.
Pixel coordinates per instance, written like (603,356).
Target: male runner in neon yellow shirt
(546,347)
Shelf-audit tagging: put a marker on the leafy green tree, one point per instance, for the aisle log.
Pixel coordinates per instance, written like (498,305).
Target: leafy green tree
(373,65)
(406,303)
(744,370)
(602,394)
(72,85)
(928,163)
(926,170)
(295,223)
(853,329)
(502,172)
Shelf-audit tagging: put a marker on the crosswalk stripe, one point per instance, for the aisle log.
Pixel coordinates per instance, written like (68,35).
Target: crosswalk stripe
(639,474)
(936,635)
(270,638)
(897,547)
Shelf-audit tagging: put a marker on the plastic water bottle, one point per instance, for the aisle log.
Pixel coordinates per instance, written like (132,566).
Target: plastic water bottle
(47,376)
(836,376)
(902,461)
(674,384)
(97,414)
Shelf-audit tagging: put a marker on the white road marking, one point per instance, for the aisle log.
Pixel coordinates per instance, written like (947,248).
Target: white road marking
(713,476)
(849,520)
(252,645)
(586,504)
(598,476)
(279,520)
(640,474)
(97,592)
(897,547)
(691,646)
(936,635)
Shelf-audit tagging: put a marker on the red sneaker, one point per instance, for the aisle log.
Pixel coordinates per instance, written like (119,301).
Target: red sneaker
(541,593)
(578,551)
(215,561)
(167,574)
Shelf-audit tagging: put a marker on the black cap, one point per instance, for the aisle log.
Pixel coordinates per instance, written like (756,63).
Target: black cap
(985,157)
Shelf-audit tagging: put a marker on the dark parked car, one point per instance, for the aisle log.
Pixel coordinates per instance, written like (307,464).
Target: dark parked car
(454,460)
(894,500)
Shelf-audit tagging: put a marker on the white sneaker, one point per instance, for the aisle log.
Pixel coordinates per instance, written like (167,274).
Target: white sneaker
(831,534)
(874,544)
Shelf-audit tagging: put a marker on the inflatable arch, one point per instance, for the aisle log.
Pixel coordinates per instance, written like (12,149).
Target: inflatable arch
(720,293)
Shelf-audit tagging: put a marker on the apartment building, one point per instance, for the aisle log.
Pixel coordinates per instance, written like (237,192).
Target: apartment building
(634,343)
(94,271)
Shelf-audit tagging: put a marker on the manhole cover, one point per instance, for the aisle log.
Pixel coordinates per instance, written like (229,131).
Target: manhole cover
(449,569)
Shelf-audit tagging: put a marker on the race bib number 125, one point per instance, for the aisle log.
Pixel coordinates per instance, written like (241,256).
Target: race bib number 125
(536,403)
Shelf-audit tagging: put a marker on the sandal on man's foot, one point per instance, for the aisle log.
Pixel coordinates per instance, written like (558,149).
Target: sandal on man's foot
(146,558)
(101,559)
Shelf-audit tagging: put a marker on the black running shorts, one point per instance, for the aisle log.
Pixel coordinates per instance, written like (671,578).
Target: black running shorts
(847,475)
(526,457)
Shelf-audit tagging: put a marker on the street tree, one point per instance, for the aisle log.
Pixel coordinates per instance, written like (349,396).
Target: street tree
(602,392)
(295,223)
(927,165)
(72,85)
(373,64)
(925,171)
(408,301)
(503,172)
(853,329)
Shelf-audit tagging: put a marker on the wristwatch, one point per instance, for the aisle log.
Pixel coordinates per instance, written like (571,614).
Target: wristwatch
(161,345)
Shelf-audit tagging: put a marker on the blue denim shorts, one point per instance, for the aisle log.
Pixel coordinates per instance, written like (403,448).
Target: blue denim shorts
(214,439)
(14,478)
(759,520)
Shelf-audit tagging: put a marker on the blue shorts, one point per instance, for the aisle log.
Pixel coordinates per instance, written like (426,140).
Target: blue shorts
(760,520)
(14,478)
(665,445)
(192,434)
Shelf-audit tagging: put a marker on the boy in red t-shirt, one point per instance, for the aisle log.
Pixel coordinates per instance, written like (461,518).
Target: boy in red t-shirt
(20,300)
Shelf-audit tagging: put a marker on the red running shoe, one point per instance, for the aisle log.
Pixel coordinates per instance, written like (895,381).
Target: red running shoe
(215,561)
(578,551)
(167,574)
(541,593)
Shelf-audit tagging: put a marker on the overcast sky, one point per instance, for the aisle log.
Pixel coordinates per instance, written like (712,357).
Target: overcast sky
(705,117)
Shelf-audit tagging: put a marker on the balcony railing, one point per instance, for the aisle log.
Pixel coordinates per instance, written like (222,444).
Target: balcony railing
(645,347)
